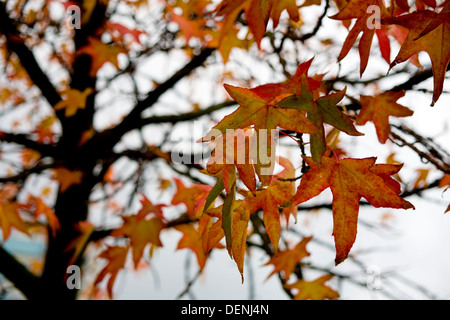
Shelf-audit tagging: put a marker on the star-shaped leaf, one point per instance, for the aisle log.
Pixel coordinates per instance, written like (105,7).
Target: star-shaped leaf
(379,108)
(72,101)
(349,181)
(141,233)
(285,261)
(101,53)
(193,197)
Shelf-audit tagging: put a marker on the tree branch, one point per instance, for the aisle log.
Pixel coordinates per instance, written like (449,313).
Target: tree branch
(184,116)
(26,57)
(20,276)
(129,122)
(25,141)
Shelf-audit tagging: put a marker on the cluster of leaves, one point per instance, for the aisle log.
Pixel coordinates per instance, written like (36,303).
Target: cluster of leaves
(249,177)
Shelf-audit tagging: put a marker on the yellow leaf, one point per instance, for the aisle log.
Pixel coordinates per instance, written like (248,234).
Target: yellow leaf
(313,290)
(72,101)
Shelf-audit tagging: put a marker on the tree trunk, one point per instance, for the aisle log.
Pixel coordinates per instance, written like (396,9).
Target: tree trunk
(71,208)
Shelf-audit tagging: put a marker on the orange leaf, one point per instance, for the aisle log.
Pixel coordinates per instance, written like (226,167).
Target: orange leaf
(379,108)
(285,261)
(314,290)
(349,181)
(116,257)
(258,108)
(9,216)
(148,207)
(9,211)
(278,193)
(194,197)
(192,239)
(429,32)
(41,208)
(141,233)
(233,151)
(279,6)
(257,14)
(359,9)
(101,53)
(67,178)
(445,181)
(189,27)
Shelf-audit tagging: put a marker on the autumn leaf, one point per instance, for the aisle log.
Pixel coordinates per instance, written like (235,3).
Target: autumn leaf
(194,197)
(72,101)
(149,208)
(360,10)
(279,6)
(313,290)
(445,181)
(101,53)
(258,109)
(189,27)
(349,181)
(270,199)
(233,152)
(141,233)
(257,14)
(285,261)
(67,178)
(192,239)
(429,32)
(225,41)
(320,111)
(259,112)
(117,257)
(39,207)
(239,216)
(379,108)
(9,211)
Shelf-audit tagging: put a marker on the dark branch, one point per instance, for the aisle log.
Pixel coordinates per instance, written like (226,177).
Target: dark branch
(27,59)
(25,141)
(129,123)
(19,275)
